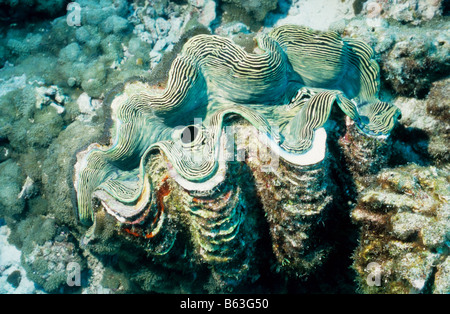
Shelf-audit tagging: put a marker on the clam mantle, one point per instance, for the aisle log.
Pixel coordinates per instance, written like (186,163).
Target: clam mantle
(229,123)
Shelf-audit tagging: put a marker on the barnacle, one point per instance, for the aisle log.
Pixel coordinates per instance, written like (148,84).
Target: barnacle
(194,129)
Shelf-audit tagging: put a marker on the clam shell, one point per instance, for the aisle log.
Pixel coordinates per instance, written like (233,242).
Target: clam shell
(176,173)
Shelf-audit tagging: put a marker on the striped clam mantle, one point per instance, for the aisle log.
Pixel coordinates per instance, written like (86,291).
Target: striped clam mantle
(202,125)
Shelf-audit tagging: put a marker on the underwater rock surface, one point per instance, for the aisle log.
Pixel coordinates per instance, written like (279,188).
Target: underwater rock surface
(405,225)
(301,228)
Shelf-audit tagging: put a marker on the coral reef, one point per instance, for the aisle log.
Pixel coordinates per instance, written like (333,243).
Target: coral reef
(47,264)
(10,183)
(267,224)
(405,223)
(404,11)
(414,63)
(425,137)
(16,10)
(317,14)
(410,58)
(13,279)
(250,12)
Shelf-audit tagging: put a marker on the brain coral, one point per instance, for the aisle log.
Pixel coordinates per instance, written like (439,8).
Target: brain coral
(186,159)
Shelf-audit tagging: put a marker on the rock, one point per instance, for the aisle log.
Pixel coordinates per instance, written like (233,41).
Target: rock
(45,125)
(160,45)
(47,264)
(28,189)
(405,11)
(411,59)
(437,100)
(10,268)
(442,277)
(115,24)
(24,46)
(59,109)
(405,221)
(207,13)
(50,96)
(162,27)
(13,83)
(10,186)
(231,29)
(70,53)
(317,14)
(82,34)
(197,3)
(87,107)
(5,152)
(429,118)
(71,81)
(415,62)
(256,9)
(84,103)
(416,268)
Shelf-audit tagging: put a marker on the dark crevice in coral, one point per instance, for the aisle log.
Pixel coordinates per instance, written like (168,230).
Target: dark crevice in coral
(180,2)
(4,141)
(14,278)
(358,6)
(416,79)
(268,281)
(218,20)
(282,10)
(410,146)
(429,284)
(25,14)
(335,276)
(346,233)
(446,8)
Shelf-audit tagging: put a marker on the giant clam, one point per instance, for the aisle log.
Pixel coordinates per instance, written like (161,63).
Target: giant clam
(232,130)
